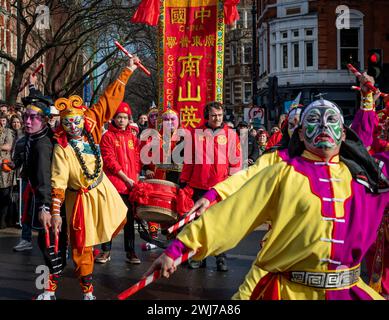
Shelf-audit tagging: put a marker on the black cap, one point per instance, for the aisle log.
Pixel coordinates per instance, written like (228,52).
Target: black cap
(42,102)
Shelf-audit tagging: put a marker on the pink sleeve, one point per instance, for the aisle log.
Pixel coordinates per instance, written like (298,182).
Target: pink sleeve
(211,195)
(363,124)
(176,249)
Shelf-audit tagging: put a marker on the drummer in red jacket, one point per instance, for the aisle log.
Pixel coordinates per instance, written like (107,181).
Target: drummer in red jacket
(213,164)
(120,152)
(166,140)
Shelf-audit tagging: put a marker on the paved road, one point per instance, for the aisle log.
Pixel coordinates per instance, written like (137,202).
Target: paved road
(17,273)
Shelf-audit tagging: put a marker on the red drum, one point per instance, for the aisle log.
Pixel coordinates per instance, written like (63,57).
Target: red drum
(156,200)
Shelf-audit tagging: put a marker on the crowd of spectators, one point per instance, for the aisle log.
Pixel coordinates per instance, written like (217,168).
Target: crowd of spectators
(11,129)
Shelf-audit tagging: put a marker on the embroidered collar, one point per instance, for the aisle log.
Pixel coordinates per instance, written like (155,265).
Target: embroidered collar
(315,158)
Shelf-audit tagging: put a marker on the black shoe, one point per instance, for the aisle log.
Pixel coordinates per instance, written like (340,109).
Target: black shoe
(221,265)
(197,264)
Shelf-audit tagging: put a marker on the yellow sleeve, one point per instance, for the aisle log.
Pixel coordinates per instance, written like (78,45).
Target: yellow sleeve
(236,181)
(59,177)
(225,224)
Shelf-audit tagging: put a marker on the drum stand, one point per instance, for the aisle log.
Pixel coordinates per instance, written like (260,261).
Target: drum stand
(145,235)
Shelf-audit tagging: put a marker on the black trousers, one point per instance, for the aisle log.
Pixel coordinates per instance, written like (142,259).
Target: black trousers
(5,202)
(129,229)
(55,262)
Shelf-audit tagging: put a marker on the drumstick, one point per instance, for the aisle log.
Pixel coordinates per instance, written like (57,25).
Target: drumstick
(34,73)
(153,277)
(141,66)
(47,236)
(356,88)
(183,222)
(56,240)
(367,83)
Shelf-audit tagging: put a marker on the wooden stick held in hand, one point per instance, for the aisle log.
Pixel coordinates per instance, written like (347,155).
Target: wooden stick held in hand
(139,65)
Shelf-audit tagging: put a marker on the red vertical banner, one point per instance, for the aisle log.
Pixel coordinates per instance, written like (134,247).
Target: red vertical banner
(190,57)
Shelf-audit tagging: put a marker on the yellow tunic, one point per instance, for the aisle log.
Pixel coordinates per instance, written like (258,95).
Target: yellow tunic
(282,195)
(104,209)
(236,181)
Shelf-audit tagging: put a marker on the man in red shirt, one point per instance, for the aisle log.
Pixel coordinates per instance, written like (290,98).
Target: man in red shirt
(120,152)
(216,149)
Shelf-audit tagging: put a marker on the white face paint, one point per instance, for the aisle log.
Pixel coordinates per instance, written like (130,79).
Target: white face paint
(73,125)
(322,128)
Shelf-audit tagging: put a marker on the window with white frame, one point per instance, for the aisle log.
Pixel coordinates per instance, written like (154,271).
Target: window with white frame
(296,55)
(309,54)
(247,92)
(349,47)
(2,81)
(284,55)
(247,53)
(350,42)
(293,45)
(241,22)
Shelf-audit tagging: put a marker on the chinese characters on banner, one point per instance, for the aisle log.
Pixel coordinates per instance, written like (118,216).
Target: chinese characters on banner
(190,57)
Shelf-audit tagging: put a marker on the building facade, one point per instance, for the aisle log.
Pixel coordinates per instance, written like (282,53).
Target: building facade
(238,64)
(8,45)
(305,45)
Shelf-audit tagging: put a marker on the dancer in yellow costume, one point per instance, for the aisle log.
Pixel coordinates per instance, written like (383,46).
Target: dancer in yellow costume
(317,200)
(94,209)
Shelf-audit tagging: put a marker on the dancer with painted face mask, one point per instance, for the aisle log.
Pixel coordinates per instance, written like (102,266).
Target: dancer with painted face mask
(366,124)
(324,203)
(164,142)
(34,154)
(94,209)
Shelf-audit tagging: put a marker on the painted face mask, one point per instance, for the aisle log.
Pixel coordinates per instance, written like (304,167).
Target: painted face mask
(322,127)
(153,119)
(33,121)
(73,125)
(170,121)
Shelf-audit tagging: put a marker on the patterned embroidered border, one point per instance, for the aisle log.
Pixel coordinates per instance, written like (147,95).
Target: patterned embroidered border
(326,280)
(219,53)
(161,47)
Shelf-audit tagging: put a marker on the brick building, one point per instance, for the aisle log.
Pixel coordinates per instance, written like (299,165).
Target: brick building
(8,44)
(306,44)
(238,63)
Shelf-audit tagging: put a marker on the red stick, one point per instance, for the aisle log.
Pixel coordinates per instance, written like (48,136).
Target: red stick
(183,222)
(367,83)
(56,240)
(151,278)
(47,236)
(34,73)
(140,66)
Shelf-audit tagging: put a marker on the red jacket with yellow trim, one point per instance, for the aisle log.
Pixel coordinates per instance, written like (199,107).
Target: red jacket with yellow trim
(216,155)
(120,151)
